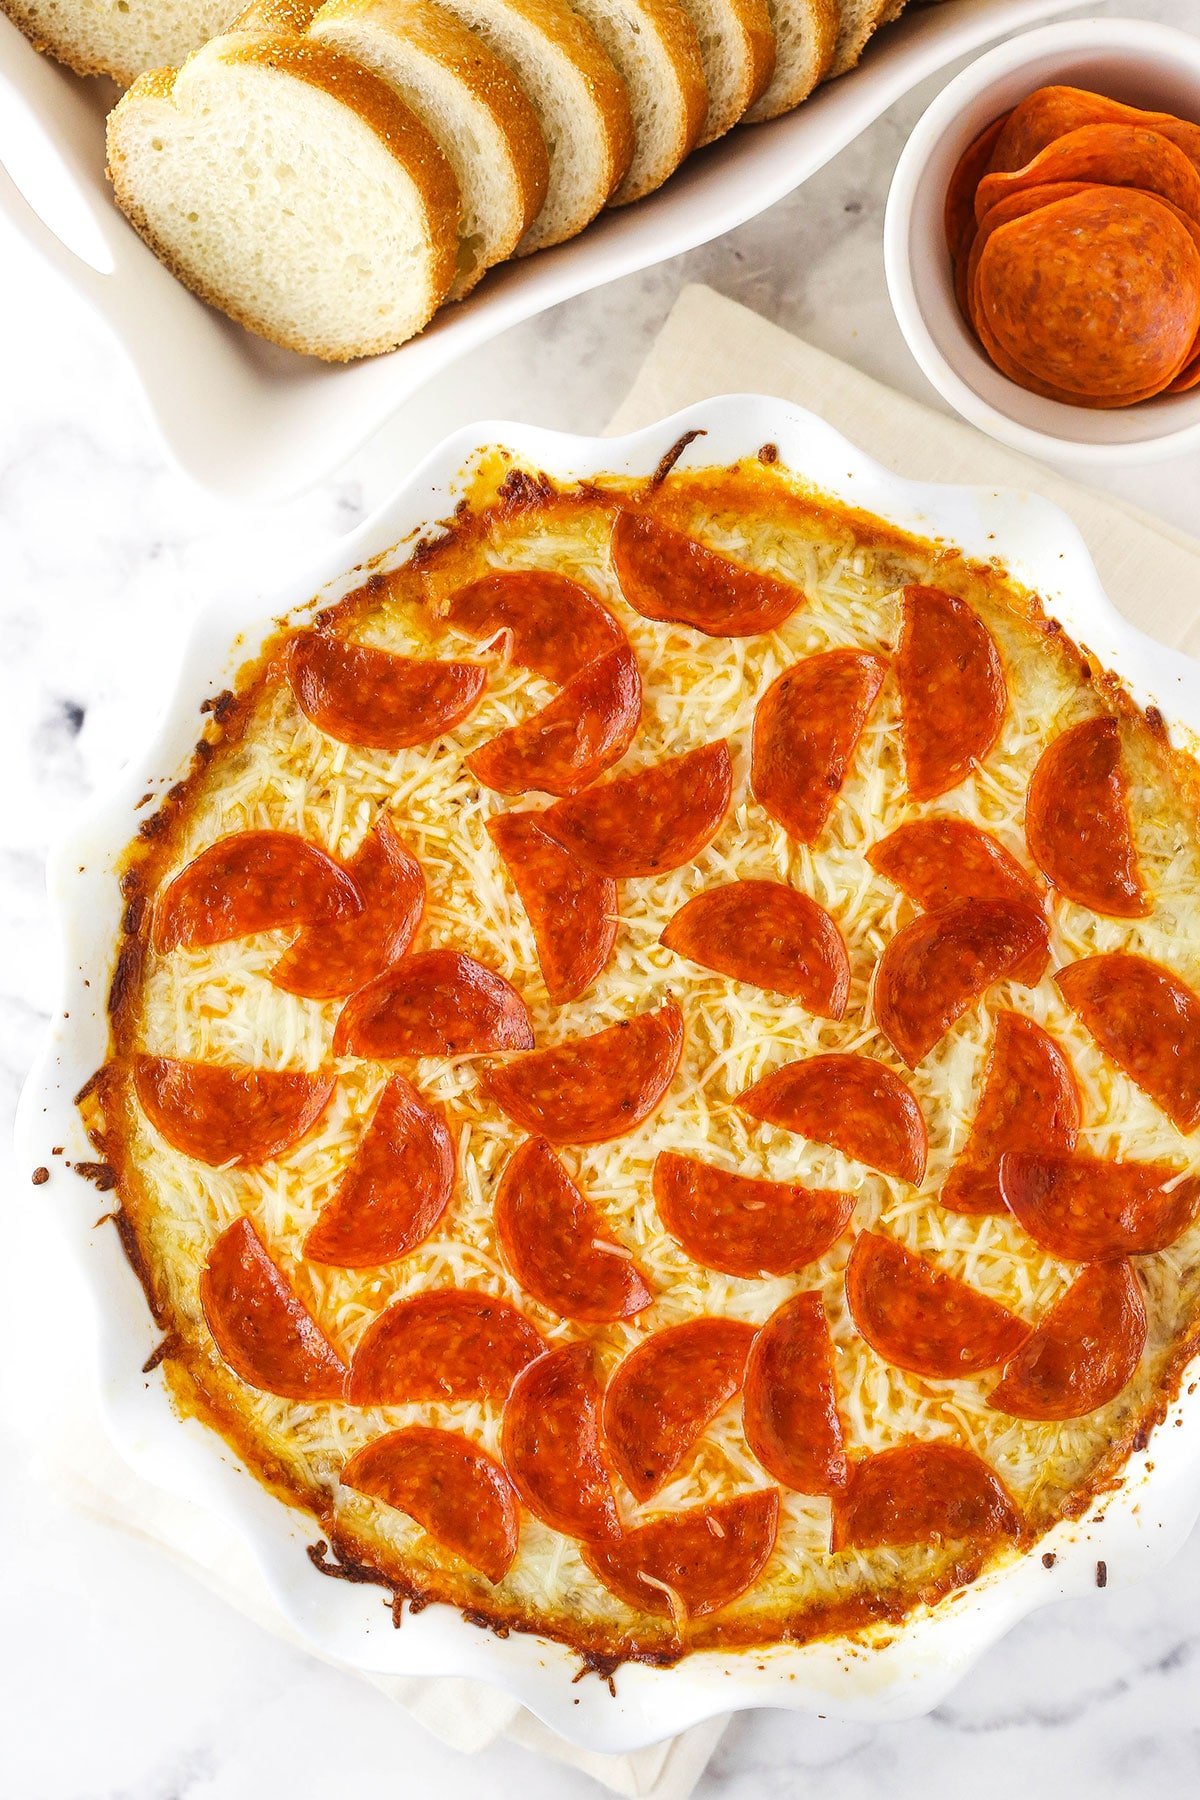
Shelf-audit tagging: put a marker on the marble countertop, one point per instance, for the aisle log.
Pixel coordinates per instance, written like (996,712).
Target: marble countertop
(121,1678)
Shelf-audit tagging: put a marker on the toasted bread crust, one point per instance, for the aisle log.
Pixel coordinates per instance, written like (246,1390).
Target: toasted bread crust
(667,21)
(790,86)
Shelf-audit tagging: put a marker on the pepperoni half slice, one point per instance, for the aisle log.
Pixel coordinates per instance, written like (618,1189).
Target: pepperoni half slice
(221,1115)
(376,700)
(1147,1022)
(572,910)
(743,1226)
(790,1410)
(853,1103)
(661,1397)
(1077,821)
(920,1319)
(769,935)
(922,1494)
(1030,1102)
(1086,1209)
(590,1089)
(552,1444)
(574,738)
(452,1488)
(396,1188)
(326,961)
(1082,1352)
(938,861)
(668,576)
(953,694)
(555,625)
(938,965)
(441,1003)
(644,824)
(690,1563)
(806,730)
(252,881)
(557,1245)
(259,1324)
(445,1344)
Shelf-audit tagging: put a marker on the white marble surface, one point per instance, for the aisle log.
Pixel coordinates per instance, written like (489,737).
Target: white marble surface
(120,1678)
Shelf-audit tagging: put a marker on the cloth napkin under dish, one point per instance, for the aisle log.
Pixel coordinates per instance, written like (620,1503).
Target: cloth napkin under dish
(708,346)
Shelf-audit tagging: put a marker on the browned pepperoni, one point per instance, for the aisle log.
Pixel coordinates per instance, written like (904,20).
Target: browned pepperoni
(441,1003)
(769,935)
(661,1397)
(851,1102)
(1082,1352)
(557,1244)
(1146,1021)
(791,1409)
(327,961)
(952,690)
(806,730)
(1049,113)
(941,963)
(552,1444)
(646,823)
(396,1188)
(922,1494)
(937,861)
(253,881)
(556,626)
(744,1226)
(1077,821)
(1108,153)
(921,1319)
(690,1563)
(972,165)
(261,1327)
(371,698)
(668,576)
(1030,1102)
(452,1488)
(445,1344)
(1087,1209)
(574,738)
(225,1115)
(590,1089)
(573,911)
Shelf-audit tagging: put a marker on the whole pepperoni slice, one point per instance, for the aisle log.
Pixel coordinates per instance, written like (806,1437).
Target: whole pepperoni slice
(261,1327)
(687,1564)
(574,738)
(396,1188)
(1082,1352)
(454,1490)
(1077,821)
(769,935)
(937,861)
(556,625)
(552,1445)
(252,881)
(557,1245)
(590,1089)
(744,1226)
(921,1494)
(953,694)
(327,961)
(920,1319)
(1087,1209)
(790,1409)
(1146,1021)
(661,1397)
(440,1003)
(572,910)
(374,699)
(222,1115)
(445,1344)
(1049,113)
(668,576)
(1030,1102)
(851,1102)
(806,730)
(643,824)
(940,964)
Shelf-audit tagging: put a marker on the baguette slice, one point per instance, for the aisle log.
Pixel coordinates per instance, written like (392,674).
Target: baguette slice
(655,48)
(859,21)
(806,34)
(121,38)
(291,189)
(737,45)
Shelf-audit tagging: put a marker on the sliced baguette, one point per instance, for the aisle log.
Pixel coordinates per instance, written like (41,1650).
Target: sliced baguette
(859,21)
(737,45)
(293,190)
(655,49)
(121,38)
(805,36)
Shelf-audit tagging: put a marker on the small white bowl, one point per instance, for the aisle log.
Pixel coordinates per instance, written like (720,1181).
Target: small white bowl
(1152,66)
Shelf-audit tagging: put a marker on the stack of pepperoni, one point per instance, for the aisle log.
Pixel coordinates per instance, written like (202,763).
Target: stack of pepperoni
(1073,223)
